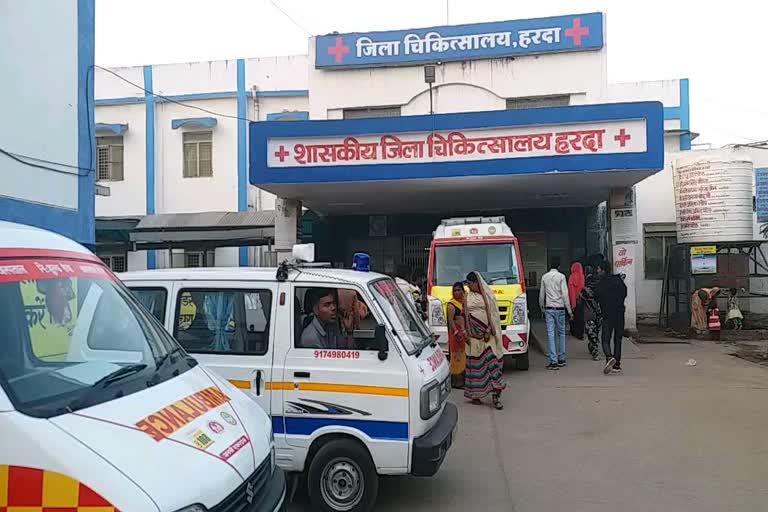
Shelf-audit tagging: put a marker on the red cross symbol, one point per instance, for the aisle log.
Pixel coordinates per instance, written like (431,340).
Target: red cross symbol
(339,50)
(622,137)
(281,153)
(576,31)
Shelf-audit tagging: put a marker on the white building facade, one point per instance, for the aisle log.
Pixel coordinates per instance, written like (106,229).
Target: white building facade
(47,180)
(173,139)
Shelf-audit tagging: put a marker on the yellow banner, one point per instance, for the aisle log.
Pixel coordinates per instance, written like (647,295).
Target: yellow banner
(704,249)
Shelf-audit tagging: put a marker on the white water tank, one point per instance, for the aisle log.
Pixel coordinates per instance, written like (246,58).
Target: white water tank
(713,196)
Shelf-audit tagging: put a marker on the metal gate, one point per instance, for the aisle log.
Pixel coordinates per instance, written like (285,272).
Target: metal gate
(416,252)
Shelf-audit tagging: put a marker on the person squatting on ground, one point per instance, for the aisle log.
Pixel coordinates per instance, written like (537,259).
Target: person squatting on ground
(699,308)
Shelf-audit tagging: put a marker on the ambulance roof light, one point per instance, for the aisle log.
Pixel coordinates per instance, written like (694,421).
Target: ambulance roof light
(302,256)
(459,221)
(361,262)
(303,253)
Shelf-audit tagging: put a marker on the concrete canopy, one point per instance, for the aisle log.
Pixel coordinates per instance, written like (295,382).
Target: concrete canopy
(553,190)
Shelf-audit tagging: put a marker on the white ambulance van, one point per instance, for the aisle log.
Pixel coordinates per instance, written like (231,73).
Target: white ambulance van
(101,410)
(353,380)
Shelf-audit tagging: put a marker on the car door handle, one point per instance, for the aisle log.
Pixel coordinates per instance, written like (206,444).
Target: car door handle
(257,382)
(301,375)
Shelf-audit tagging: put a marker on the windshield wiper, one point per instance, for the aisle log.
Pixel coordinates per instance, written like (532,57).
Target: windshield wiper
(160,361)
(118,374)
(494,279)
(105,381)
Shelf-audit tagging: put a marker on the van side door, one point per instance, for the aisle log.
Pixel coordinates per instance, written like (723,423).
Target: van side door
(346,388)
(226,325)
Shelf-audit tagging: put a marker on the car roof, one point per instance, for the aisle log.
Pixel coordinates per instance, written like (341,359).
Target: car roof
(297,275)
(22,236)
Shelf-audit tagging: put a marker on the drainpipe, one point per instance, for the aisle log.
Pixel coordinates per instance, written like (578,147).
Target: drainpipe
(256,117)
(258,252)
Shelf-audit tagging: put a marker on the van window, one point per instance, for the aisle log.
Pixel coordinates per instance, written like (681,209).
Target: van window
(224,321)
(73,337)
(332,318)
(153,299)
(402,316)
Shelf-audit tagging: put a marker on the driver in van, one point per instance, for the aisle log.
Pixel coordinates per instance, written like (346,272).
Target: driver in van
(323,331)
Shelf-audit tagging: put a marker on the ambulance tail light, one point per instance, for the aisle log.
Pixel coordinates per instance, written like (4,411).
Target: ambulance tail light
(524,337)
(436,314)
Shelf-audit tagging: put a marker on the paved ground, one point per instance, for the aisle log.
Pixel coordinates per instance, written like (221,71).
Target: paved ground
(661,437)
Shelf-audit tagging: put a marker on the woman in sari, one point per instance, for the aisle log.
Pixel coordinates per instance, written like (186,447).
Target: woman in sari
(484,349)
(457,335)
(575,285)
(699,302)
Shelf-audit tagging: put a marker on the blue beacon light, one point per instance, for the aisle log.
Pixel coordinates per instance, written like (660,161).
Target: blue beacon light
(361,262)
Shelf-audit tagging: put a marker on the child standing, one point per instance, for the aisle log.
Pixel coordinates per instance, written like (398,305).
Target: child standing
(734,318)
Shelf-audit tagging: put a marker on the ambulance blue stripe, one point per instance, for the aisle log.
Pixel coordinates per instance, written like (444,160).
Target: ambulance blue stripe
(389,430)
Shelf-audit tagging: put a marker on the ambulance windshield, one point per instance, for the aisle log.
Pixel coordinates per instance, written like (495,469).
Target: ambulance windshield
(497,263)
(402,315)
(73,337)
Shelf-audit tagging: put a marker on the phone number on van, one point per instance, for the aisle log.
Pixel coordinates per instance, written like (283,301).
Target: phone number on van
(337,354)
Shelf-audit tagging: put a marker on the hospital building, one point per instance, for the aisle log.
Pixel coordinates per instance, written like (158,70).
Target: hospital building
(366,142)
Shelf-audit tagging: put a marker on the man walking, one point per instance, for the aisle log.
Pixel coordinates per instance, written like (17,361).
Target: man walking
(611,293)
(554,302)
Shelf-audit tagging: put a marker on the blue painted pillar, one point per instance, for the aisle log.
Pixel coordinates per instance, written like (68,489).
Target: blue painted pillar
(685,114)
(149,105)
(242,153)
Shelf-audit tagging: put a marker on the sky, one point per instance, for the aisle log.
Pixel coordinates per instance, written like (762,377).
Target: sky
(721,48)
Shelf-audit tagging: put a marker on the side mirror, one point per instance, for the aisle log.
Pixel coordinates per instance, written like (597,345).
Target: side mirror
(380,338)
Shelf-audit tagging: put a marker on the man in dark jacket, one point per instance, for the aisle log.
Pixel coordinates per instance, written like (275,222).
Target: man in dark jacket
(611,292)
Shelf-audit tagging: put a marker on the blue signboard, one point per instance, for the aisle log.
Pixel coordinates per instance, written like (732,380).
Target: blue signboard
(761,193)
(607,137)
(570,33)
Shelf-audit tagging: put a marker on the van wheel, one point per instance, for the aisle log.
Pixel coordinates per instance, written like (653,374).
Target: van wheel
(342,478)
(521,362)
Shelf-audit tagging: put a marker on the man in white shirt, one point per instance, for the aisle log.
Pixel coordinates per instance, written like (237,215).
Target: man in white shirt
(554,302)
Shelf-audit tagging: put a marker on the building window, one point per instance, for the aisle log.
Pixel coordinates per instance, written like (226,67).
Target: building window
(198,154)
(116,262)
(362,113)
(538,102)
(109,158)
(657,238)
(181,258)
